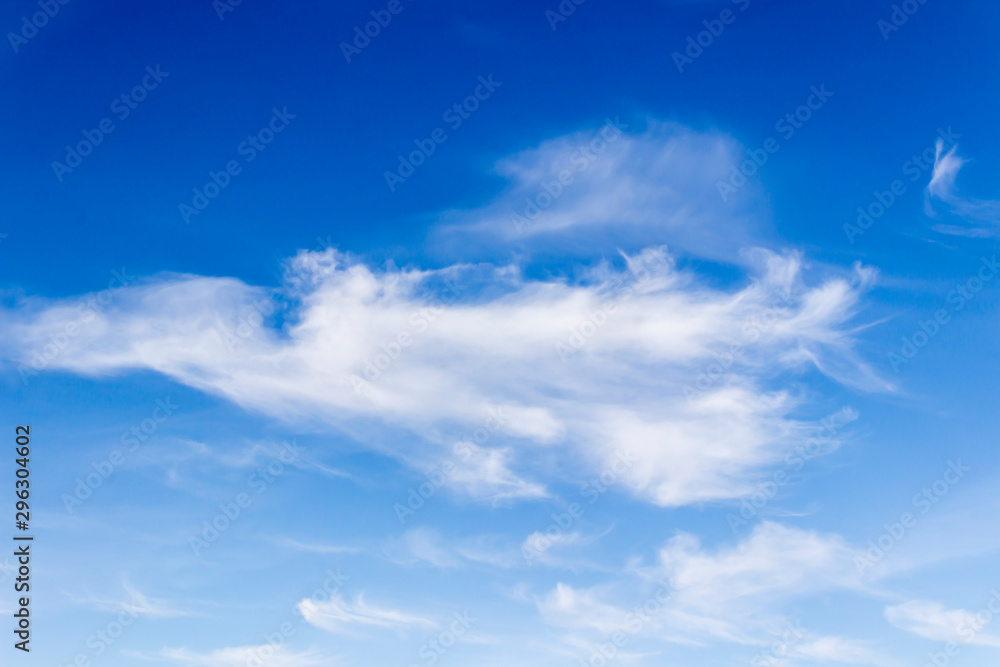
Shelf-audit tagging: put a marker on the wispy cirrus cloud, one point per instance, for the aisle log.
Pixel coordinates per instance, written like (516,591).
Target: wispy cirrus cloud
(135,603)
(420,545)
(981,216)
(342,616)
(615,186)
(932,620)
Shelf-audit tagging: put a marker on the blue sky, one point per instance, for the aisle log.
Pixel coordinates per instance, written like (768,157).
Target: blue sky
(557,334)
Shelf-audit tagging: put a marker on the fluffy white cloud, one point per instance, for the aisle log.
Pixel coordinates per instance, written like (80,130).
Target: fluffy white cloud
(775,561)
(516,380)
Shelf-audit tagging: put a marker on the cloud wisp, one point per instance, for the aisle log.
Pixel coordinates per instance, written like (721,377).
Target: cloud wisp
(981,217)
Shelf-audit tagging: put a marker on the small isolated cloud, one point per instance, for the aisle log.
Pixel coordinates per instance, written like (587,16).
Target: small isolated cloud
(932,620)
(946,167)
(981,216)
(341,616)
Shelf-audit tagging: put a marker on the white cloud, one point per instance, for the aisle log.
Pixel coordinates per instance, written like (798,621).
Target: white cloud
(510,352)
(981,216)
(774,562)
(946,167)
(658,185)
(485,472)
(734,592)
(341,616)
(316,548)
(933,621)
(140,605)
(570,607)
